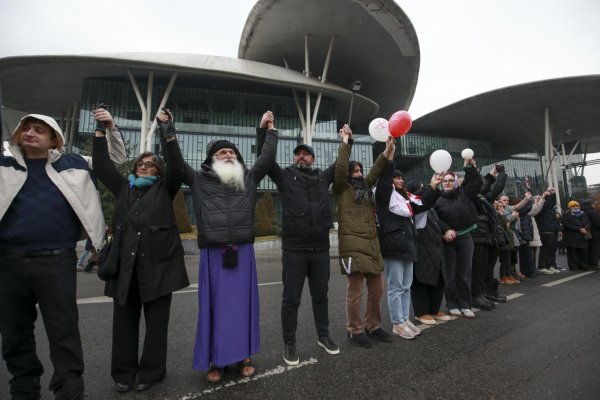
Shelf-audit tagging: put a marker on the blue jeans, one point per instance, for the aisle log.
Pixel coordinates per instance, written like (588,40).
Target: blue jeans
(399,276)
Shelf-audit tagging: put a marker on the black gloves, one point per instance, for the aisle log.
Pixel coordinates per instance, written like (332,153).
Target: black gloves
(166,130)
(101,125)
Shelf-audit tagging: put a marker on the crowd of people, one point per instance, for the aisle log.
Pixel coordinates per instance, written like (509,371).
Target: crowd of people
(416,243)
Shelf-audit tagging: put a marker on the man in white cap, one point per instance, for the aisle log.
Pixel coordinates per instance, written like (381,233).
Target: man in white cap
(46,198)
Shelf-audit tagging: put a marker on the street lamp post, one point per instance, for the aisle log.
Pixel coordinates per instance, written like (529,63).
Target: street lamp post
(568,132)
(356,85)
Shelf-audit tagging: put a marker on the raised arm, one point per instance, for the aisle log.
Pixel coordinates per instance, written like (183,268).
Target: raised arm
(175,167)
(473,181)
(265,160)
(343,159)
(379,164)
(105,169)
(261,135)
(106,124)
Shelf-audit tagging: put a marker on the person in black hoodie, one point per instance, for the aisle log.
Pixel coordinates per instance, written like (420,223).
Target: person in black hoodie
(458,217)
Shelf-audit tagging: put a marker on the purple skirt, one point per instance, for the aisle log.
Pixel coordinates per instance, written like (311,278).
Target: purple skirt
(228,313)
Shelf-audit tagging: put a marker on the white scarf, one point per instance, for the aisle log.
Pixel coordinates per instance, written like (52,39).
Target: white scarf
(401,206)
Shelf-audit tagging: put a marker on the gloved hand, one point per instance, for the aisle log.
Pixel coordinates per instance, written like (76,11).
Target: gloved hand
(100,125)
(166,126)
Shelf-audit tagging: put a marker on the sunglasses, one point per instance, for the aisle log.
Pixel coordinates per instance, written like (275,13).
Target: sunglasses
(448,181)
(147,164)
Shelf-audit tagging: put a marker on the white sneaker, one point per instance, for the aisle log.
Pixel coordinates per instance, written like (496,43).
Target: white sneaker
(468,313)
(554,270)
(546,271)
(412,327)
(455,312)
(402,331)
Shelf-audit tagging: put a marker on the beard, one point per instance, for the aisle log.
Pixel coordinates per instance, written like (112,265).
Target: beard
(230,172)
(303,164)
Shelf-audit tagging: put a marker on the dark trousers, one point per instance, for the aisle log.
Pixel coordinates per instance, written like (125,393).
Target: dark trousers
(489,286)
(525,260)
(49,281)
(152,366)
(480,266)
(594,252)
(505,262)
(577,258)
(427,299)
(459,257)
(549,245)
(297,266)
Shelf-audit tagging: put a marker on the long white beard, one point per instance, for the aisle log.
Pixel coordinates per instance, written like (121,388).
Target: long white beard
(231,174)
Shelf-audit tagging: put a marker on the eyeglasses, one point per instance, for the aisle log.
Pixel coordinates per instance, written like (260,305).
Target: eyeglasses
(448,181)
(147,164)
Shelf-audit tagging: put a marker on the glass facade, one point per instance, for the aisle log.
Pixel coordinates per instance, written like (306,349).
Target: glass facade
(203,114)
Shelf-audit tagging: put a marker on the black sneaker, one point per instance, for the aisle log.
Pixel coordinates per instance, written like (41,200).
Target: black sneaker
(289,355)
(380,335)
(360,339)
(328,344)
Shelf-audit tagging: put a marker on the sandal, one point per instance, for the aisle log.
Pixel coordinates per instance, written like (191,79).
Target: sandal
(215,374)
(246,368)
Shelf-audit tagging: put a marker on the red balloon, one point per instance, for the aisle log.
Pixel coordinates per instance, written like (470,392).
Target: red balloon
(399,123)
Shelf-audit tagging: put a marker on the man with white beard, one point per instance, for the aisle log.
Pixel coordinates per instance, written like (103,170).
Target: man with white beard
(224,194)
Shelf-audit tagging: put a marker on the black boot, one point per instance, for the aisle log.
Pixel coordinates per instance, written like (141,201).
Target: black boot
(481,304)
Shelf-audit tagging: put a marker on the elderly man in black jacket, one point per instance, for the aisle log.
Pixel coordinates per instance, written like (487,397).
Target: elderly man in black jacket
(306,208)
(224,194)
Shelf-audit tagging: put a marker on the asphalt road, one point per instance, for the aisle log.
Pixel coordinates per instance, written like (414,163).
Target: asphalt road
(544,343)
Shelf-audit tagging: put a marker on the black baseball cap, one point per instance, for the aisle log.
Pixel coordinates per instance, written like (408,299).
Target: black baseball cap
(305,147)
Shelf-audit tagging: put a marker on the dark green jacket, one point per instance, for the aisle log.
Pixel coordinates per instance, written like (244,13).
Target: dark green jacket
(357,231)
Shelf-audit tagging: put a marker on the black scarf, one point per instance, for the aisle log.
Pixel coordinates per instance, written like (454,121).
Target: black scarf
(362,194)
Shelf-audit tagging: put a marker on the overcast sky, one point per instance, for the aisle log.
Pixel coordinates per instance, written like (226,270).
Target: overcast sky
(467,46)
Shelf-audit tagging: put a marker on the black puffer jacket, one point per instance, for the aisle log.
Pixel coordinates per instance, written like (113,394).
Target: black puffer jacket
(305,203)
(487,230)
(224,215)
(456,208)
(397,234)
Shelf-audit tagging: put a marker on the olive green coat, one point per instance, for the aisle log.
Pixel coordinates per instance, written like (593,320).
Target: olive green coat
(357,230)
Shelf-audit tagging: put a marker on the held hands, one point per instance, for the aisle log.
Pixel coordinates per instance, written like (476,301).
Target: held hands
(390,148)
(166,125)
(470,161)
(449,235)
(267,120)
(103,119)
(436,180)
(345,133)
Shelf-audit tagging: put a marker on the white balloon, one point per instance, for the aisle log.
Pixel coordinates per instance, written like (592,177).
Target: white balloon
(440,161)
(378,129)
(467,154)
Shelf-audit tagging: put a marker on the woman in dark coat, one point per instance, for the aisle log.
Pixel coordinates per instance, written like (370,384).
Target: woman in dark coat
(151,263)
(576,226)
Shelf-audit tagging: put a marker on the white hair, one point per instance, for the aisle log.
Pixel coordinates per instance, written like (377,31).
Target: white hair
(231,173)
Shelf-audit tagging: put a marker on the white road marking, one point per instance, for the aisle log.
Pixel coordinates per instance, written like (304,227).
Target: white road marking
(194,286)
(514,296)
(280,369)
(570,278)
